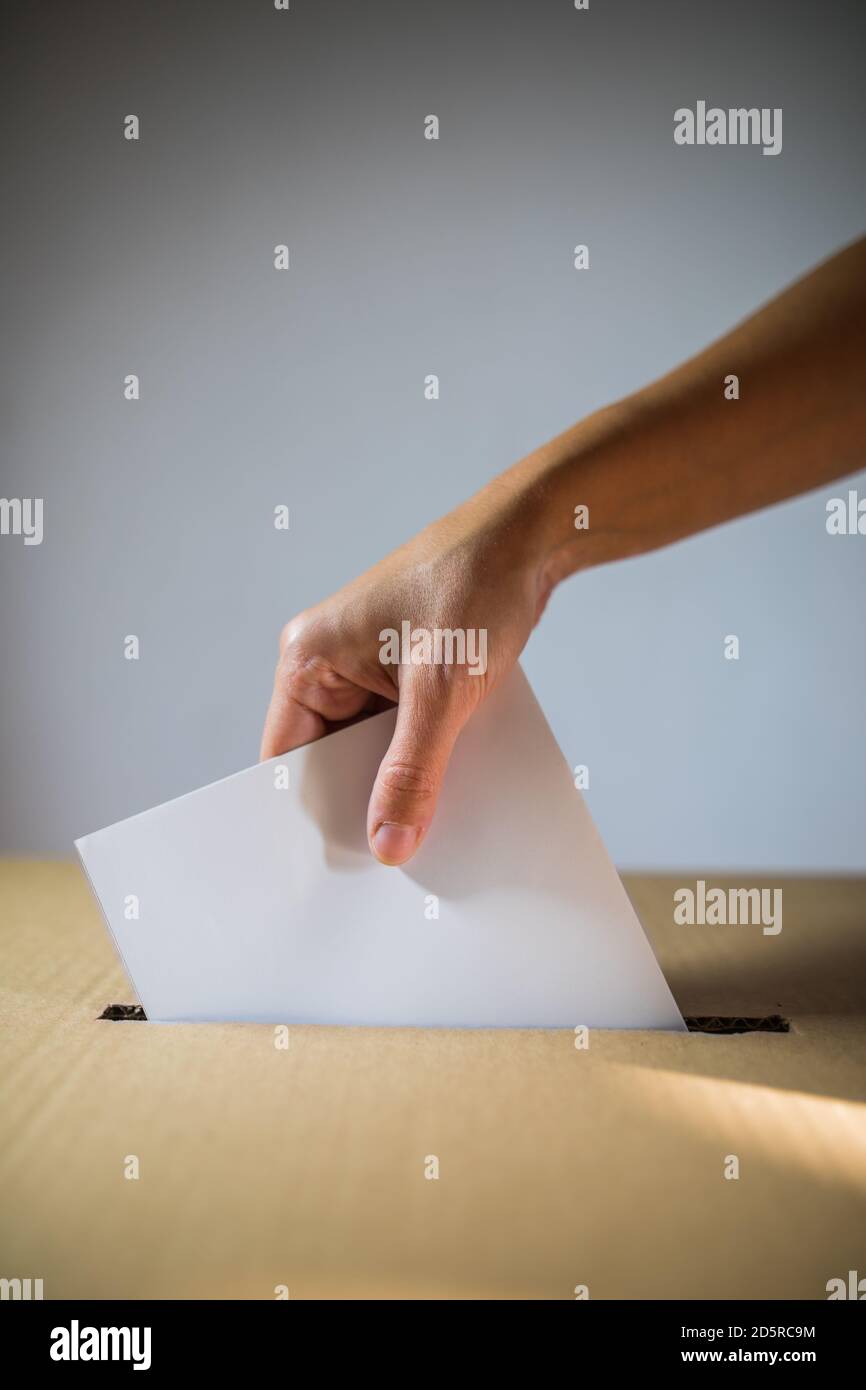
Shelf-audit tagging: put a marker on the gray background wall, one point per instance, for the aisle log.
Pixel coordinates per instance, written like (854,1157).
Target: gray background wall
(408,257)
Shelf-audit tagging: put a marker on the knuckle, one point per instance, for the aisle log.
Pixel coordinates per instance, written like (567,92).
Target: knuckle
(408,778)
(291,634)
(315,670)
(299,663)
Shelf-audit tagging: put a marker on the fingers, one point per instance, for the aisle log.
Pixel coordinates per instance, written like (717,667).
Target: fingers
(311,697)
(288,725)
(308,697)
(430,715)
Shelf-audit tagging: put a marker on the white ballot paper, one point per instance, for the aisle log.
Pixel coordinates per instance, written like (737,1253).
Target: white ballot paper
(255,901)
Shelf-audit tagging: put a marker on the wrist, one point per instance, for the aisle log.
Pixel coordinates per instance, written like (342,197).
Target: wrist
(567,494)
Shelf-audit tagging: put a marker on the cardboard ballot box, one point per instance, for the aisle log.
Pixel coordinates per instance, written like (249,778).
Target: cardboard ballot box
(244,1161)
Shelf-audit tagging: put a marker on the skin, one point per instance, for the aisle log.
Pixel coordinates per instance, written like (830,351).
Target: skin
(662,464)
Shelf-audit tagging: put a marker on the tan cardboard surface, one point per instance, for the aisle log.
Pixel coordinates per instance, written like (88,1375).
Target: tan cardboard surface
(261,1167)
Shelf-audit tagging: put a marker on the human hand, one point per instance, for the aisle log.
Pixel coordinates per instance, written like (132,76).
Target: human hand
(471,577)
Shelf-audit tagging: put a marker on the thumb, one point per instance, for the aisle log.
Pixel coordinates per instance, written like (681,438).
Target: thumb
(430,715)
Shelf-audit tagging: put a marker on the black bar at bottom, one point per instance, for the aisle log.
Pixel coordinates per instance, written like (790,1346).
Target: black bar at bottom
(227,1337)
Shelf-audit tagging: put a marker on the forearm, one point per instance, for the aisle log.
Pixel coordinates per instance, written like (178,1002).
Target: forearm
(678,456)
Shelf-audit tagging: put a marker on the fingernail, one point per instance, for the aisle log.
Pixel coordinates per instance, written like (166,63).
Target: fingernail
(393,844)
